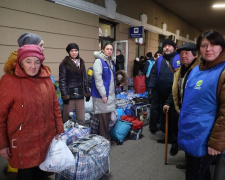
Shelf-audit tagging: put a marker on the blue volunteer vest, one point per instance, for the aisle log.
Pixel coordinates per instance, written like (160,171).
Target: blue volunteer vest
(198,111)
(106,77)
(176,62)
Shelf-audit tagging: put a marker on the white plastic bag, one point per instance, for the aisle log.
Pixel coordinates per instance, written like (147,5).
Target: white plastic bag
(58,158)
(88,105)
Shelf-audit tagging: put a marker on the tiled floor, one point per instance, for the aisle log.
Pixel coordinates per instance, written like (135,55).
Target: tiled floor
(134,160)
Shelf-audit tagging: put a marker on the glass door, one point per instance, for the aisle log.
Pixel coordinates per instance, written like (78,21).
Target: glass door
(123,46)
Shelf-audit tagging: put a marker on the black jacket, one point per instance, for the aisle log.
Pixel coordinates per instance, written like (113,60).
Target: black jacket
(163,83)
(119,62)
(136,68)
(70,76)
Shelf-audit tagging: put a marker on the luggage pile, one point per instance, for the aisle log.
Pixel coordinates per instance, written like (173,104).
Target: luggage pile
(133,112)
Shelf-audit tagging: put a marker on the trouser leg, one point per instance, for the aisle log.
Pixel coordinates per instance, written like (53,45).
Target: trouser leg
(220,168)
(29,174)
(68,108)
(199,168)
(154,113)
(79,106)
(104,119)
(173,125)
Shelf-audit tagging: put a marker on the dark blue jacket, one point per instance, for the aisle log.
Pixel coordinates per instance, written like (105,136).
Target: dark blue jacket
(163,80)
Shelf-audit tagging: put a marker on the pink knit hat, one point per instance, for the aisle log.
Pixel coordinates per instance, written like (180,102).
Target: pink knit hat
(30,50)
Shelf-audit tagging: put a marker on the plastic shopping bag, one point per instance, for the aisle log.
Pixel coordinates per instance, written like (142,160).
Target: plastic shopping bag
(58,158)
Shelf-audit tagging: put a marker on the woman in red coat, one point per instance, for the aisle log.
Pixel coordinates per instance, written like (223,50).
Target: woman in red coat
(29,112)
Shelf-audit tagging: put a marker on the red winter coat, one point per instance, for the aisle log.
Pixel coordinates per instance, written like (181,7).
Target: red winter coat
(29,115)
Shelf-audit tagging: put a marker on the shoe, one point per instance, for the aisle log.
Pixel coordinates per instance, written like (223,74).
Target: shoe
(153,132)
(174,150)
(181,166)
(162,141)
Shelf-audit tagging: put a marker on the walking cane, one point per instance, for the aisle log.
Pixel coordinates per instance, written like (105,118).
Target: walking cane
(166,138)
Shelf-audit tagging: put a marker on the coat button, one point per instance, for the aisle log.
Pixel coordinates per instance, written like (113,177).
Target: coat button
(21,163)
(20,154)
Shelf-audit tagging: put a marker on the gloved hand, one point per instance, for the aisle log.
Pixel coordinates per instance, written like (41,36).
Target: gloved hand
(87,96)
(87,99)
(66,99)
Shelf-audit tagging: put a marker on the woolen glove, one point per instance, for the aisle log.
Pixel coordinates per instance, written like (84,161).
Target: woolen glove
(87,99)
(66,99)
(87,96)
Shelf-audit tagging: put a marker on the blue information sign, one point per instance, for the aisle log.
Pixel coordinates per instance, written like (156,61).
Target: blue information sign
(136,32)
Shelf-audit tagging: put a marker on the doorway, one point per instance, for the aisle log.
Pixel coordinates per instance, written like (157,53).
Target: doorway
(123,46)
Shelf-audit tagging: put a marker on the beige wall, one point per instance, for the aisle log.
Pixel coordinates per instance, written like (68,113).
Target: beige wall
(56,24)
(156,16)
(59,25)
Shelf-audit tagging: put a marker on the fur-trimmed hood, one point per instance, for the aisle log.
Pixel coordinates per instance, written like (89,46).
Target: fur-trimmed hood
(121,78)
(12,67)
(101,55)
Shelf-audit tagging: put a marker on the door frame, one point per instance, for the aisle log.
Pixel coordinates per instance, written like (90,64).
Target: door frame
(124,51)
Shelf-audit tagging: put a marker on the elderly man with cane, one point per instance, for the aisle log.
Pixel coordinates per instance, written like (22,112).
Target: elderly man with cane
(189,61)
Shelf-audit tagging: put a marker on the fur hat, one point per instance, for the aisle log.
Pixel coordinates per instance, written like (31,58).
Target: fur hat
(30,50)
(72,46)
(188,47)
(28,38)
(170,42)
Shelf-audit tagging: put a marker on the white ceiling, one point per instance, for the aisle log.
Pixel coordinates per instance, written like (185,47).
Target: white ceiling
(198,13)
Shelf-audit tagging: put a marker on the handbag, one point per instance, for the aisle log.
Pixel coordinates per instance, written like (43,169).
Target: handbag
(92,159)
(76,93)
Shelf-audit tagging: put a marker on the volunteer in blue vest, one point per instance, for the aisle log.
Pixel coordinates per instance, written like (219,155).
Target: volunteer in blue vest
(103,87)
(201,121)
(148,67)
(188,59)
(160,84)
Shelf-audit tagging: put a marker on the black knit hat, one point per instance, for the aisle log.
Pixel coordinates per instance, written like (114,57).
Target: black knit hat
(188,47)
(72,46)
(149,54)
(170,42)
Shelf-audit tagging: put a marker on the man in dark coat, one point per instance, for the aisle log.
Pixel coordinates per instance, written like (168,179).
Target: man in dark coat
(160,83)
(119,60)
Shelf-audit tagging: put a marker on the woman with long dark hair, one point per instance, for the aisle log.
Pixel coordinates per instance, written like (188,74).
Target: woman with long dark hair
(103,87)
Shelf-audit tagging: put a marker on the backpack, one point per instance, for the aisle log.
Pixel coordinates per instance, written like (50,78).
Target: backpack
(176,62)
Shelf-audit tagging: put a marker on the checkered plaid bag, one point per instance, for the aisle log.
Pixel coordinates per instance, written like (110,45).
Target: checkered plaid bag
(74,133)
(94,123)
(92,159)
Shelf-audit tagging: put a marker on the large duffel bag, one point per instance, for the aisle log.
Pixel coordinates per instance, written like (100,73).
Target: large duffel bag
(91,155)
(120,131)
(139,84)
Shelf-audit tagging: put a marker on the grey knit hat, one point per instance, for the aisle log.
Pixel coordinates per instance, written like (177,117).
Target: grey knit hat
(28,38)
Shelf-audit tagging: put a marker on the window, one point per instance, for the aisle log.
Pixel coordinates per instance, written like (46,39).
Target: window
(106,32)
(140,45)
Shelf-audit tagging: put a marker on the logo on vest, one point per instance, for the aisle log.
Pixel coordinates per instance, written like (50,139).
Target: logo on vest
(178,63)
(198,84)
